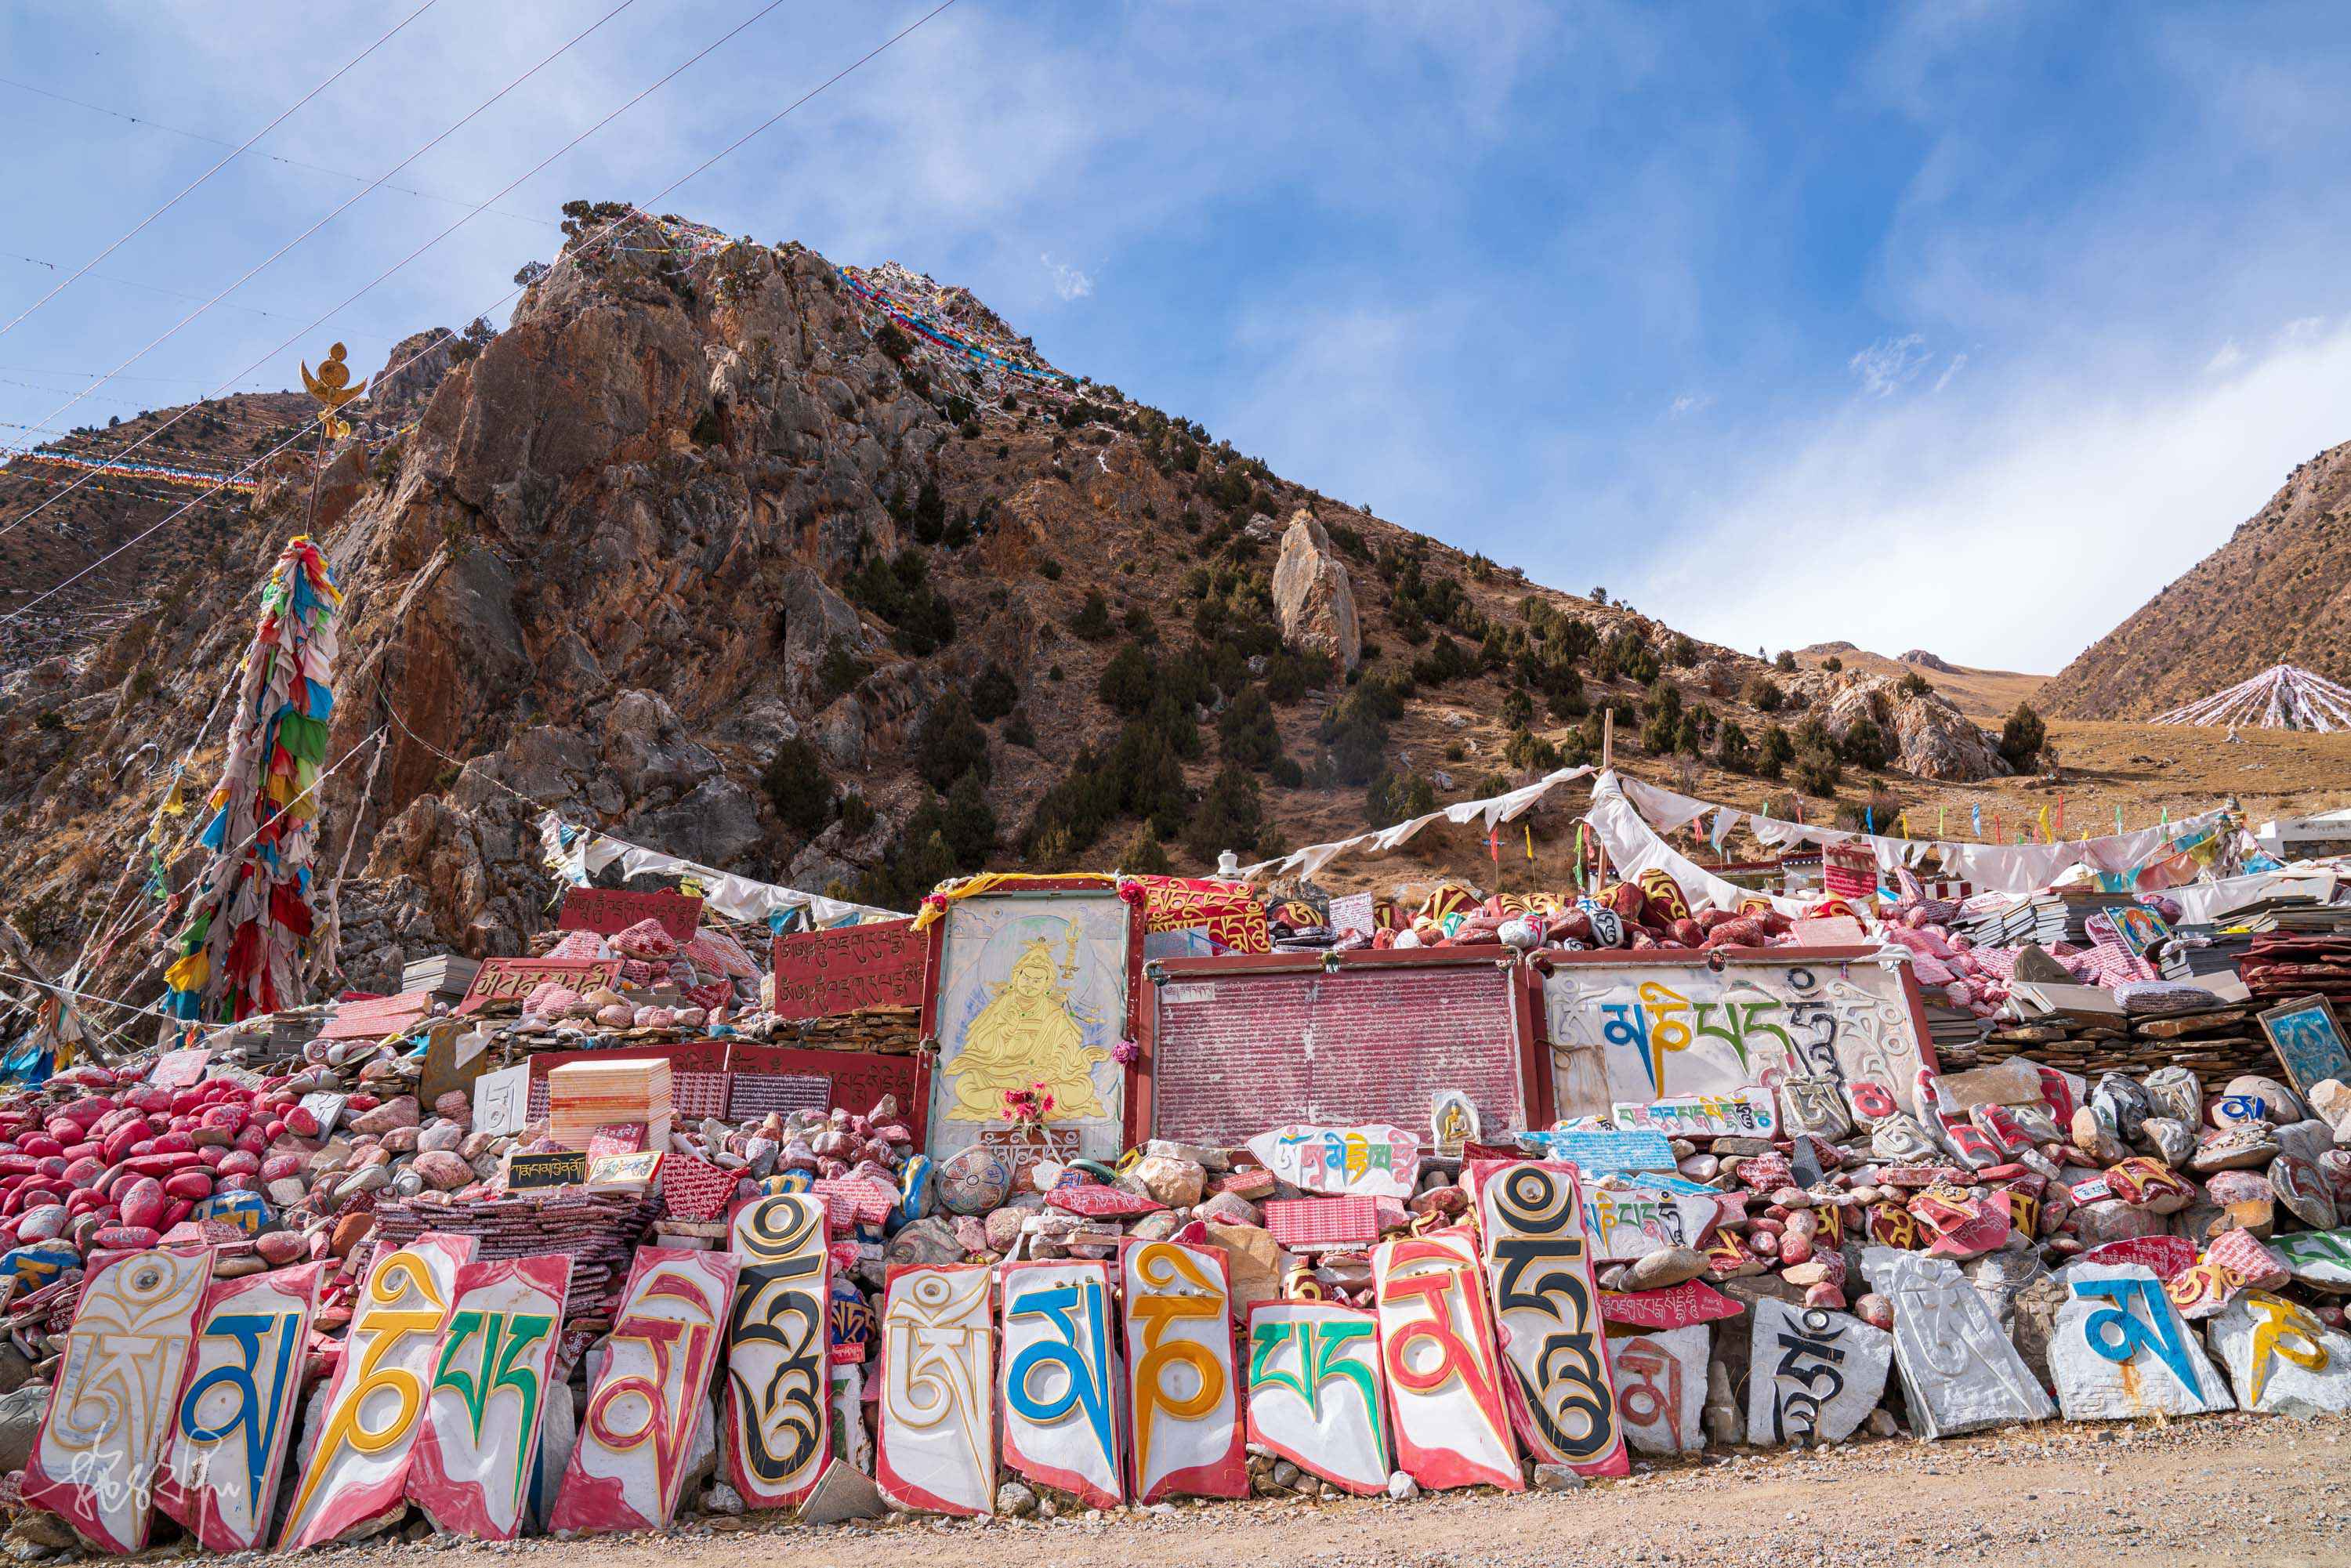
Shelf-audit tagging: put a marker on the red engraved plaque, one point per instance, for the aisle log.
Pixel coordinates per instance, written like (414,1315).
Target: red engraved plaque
(820,974)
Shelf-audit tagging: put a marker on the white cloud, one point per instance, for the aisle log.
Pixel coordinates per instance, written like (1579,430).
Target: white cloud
(2226,358)
(1692,402)
(2008,531)
(1068,281)
(1959,362)
(1889,364)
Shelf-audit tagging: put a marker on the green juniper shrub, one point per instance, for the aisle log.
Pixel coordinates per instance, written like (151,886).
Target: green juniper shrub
(795,783)
(994,693)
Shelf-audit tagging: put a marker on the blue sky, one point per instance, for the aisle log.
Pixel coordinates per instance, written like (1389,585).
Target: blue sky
(1955,326)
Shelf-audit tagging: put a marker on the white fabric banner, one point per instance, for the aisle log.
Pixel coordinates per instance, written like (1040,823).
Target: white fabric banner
(1635,847)
(1493,811)
(2000,868)
(722,893)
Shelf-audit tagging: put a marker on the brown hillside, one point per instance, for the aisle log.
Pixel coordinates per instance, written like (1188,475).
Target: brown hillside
(710,551)
(2278,593)
(718,548)
(1985,696)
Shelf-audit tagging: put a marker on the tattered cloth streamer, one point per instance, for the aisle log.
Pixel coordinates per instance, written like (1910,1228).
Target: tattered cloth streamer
(1507,806)
(249,916)
(575,854)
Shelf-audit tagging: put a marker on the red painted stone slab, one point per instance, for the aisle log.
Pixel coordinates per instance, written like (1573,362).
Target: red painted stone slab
(629,1464)
(1322,1221)
(233,1420)
(1239,1050)
(1099,1202)
(2164,1255)
(823,974)
(478,1451)
(512,979)
(1676,1306)
(376,1017)
(608,911)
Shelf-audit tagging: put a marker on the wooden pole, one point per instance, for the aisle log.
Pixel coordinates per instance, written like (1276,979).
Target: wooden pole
(1608,738)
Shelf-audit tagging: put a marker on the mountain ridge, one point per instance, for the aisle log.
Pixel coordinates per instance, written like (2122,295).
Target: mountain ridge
(822,575)
(2277,590)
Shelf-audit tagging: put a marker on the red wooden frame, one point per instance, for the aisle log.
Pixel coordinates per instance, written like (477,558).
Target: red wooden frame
(1533,1073)
(1046,887)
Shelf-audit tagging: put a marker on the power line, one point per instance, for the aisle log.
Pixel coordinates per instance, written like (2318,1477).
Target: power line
(134,283)
(78,375)
(216,168)
(254,270)
(314,228)
(580,246)
(273,157)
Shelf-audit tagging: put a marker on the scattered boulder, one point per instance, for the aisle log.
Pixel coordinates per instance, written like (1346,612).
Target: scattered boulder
(1313,595)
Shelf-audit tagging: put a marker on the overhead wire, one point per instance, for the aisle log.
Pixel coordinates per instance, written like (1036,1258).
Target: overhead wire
(271,258)
(153,124)
(579,247)
(134,283)
(468,218)
(339,74)
(27,516)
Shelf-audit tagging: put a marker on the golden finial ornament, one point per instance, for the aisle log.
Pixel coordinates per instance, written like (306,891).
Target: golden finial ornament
(332,388)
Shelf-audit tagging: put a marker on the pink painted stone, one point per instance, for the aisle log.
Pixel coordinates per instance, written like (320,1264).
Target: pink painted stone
(190,1185)
(126,1239)
(443,1170)
(397,1112)
(279,1247)
(144,1205)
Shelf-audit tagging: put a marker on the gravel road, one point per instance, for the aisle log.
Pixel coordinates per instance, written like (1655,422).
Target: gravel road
(2220,1488)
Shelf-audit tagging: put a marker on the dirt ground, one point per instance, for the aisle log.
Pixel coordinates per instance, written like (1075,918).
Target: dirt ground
(2216,1490)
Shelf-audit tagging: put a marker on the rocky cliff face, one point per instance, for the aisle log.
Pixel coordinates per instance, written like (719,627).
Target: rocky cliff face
(2279,591)
(1930,738)
(727,551)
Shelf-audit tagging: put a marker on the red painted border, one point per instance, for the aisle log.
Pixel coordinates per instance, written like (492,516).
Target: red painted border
(895,1486)
(1307,1462)
(1084,1487)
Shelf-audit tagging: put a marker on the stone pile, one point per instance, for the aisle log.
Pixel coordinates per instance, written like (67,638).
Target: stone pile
(2218,1040)
(2277,967)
